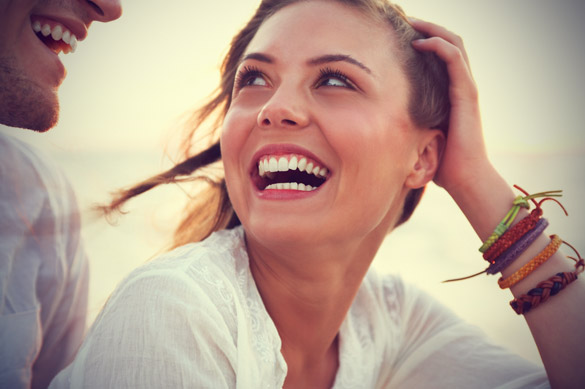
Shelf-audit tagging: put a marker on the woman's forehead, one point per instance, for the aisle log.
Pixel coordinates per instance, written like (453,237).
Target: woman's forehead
(313,28)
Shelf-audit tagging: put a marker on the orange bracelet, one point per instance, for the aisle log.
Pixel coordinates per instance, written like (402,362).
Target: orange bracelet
(534,263)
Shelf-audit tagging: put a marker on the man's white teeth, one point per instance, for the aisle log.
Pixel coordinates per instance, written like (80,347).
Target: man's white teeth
(57,33)
(269,165)
(291,186)
(46,30)
(67,37)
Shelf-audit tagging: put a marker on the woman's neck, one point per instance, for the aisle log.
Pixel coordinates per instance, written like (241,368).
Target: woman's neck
(308,291)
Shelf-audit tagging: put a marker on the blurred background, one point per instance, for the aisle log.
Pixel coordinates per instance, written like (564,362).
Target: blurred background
(132,83)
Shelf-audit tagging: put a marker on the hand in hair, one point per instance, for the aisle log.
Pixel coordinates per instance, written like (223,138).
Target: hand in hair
(464,156)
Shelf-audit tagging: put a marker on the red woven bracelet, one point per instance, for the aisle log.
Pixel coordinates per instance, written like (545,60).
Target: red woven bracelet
(512,235)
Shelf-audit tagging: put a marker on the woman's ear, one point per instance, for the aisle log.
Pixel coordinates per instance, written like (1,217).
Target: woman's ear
(430,150)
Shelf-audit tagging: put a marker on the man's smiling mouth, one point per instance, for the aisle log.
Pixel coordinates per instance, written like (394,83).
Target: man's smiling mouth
(289,172)
(54,35)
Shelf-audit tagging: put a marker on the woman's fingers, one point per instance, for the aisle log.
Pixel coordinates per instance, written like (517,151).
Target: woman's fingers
(434,30)
(462,83)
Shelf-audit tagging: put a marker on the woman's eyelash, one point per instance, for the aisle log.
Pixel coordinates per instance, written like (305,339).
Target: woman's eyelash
(246,74)
(249,73)
(334,73)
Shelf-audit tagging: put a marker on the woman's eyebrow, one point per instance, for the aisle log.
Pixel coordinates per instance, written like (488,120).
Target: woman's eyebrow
(323,59)
(328,58)
(258,57)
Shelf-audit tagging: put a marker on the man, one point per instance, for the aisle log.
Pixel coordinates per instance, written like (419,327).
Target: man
(43,268)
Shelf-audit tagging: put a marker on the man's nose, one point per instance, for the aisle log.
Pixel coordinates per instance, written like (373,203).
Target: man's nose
(105,10)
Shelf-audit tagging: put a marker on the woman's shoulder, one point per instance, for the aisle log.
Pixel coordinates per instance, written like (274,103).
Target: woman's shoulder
(207,274)
(383,289)
(402,299)
(400,302)
(217,259)
(173,319)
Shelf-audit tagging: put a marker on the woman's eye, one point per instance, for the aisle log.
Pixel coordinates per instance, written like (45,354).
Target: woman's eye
(256,80)
(335,79)
(333,82)
(250,77)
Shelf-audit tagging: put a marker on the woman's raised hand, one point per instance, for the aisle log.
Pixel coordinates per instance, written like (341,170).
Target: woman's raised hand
(464,158)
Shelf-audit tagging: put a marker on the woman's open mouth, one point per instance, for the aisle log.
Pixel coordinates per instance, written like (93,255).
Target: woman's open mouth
(289,172)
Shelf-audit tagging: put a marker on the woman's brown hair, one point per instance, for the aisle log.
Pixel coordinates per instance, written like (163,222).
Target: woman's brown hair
(211,209)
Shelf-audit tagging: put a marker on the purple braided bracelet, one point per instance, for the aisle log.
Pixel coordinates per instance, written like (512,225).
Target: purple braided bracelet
(514,251)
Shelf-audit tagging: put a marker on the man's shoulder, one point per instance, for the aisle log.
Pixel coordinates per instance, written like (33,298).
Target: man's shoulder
(31,183)
(24,163)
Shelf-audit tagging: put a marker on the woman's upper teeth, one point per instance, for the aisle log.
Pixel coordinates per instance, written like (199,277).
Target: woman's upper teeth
(57,32)
(283,163)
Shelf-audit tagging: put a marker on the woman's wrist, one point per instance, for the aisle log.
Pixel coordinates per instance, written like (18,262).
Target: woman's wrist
(484,199)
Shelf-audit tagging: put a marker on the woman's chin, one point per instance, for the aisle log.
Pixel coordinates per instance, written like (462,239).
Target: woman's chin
(281,232)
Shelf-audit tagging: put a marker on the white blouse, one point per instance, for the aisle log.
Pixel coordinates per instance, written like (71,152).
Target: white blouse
(193,318)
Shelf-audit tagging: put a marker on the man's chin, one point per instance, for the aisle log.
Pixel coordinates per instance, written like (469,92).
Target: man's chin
(44,123)
(32,120)
(39,115)
(27,104)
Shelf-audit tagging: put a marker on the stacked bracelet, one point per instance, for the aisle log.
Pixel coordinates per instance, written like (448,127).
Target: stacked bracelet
(543,291)
(517,248)
(508,242)
(534,263)
(547,288)
(519,202)
(502,227)
(512,235)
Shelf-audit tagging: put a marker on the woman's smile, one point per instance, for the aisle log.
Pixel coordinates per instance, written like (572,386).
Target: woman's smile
(287,168)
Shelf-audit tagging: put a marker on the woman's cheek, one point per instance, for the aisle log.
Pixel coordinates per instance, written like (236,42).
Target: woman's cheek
(233,133)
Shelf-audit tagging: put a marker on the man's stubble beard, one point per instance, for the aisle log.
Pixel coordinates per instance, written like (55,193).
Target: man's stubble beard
(23,103)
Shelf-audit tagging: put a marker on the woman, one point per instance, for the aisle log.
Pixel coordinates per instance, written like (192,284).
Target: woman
(329,132)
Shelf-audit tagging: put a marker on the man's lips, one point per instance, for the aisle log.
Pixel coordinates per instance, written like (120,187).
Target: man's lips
(55,35)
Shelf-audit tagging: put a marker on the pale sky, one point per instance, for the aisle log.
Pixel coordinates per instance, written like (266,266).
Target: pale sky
(132,81)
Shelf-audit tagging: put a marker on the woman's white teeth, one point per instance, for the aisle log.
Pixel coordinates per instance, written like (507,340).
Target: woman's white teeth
(269,165)
(57,33)
(282,165)
(291,186)
(302,164)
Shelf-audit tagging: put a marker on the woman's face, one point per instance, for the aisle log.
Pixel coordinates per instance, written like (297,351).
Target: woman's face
(317,143)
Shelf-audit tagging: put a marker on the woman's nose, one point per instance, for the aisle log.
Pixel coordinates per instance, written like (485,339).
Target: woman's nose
(105,10)
(284,110)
